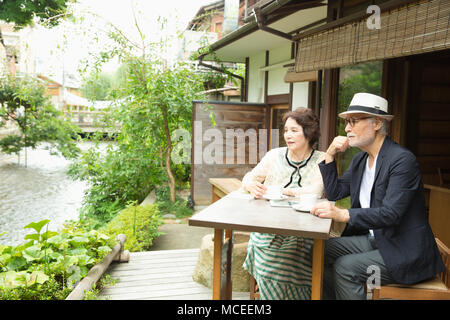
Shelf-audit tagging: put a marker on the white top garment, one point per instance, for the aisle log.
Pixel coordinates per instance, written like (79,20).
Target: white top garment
(366,185)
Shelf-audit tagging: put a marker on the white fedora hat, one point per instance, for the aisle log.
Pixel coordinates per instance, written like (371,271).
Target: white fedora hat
(369,104)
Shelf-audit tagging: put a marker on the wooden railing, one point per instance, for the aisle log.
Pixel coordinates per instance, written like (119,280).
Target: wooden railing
(84,117)
(88,121)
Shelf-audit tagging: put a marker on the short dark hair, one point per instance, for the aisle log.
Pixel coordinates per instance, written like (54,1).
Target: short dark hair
(308,120)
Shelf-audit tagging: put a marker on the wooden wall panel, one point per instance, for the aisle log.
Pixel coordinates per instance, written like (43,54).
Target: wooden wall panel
(227,116)
(429,113)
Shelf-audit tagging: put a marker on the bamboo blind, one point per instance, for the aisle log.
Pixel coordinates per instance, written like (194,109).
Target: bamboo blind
(413,29)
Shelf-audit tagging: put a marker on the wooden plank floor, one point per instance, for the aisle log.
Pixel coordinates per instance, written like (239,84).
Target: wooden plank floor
(159,275)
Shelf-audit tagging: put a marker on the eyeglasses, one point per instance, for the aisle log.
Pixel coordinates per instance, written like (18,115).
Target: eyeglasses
(353,121)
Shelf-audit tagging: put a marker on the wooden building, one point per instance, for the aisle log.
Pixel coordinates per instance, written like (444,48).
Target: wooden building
(317,54)
(210,17)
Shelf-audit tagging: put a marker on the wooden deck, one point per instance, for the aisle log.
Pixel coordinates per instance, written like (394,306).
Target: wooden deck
(159,275)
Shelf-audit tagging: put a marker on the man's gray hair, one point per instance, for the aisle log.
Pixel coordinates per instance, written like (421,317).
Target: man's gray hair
(384,125)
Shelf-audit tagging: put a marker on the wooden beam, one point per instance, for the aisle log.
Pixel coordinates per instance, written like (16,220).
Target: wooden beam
(300,76)
(289,9)
(328,113)
(278,98)
(247,73)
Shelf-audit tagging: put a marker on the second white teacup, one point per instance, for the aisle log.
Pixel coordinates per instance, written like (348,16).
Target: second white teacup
(308,200)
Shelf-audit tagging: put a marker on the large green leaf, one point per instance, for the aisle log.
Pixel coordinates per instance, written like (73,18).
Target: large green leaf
(17,251)
(98,235)
(38,277)
(55,255)
(37,226)
(32,236)
(84,260)
(13,279)
(57,239)
(4,258)
(33,253)
(7,279)
(48,234)
(77,241)
(103,250)
(78,251)
(16,263)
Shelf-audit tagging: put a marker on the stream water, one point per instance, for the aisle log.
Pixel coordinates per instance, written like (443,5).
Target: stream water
(41,190)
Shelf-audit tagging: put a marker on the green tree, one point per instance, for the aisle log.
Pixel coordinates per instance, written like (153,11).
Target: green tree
(24,13)
(153,100)
(97,86)
(23,102)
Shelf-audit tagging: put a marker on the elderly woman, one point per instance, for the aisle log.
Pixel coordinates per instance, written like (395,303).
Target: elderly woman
(280,264)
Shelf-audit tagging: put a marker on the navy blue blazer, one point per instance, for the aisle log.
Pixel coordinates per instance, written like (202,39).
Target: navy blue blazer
(397,211)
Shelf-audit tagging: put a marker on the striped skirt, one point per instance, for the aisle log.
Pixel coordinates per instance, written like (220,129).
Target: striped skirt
(281,266)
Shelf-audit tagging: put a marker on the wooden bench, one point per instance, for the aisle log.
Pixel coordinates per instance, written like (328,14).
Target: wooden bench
(223,186)
(433,289)
(438,213)
(444,177)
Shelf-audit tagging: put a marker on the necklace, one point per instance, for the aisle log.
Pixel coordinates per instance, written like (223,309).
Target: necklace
(301,158)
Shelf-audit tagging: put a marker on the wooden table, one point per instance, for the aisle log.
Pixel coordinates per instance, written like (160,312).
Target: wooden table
(237,211)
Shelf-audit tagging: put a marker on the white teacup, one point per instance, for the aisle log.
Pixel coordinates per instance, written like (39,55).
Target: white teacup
(274,192)
(308,200)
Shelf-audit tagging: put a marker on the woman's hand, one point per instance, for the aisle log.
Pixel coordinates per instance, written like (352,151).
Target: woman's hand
(288,192)
(256,189)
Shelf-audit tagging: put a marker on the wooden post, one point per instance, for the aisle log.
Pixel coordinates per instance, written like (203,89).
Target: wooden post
(328,114)
(228,266)
(97,271)
(217,264)
(317,269)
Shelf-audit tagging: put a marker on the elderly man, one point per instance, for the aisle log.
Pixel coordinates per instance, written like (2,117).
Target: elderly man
(387,225)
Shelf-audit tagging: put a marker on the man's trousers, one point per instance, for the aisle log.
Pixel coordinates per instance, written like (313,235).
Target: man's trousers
(349,263)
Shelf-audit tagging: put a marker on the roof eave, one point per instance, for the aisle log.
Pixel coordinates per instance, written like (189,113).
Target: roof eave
(242,31)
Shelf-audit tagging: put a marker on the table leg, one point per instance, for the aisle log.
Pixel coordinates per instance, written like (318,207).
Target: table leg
(222,264)
(317,269)
(217,264)
(228,263)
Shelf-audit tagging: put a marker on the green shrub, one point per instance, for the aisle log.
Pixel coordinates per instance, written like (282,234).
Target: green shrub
(139,224)
(50,263)
(180,208)
(50,290)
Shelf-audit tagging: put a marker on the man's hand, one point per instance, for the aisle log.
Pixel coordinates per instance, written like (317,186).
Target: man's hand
(339,144)
(256,189)
(328,210)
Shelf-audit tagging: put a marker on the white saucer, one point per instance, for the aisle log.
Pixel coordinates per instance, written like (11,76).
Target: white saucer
(277,197)
(302,208)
